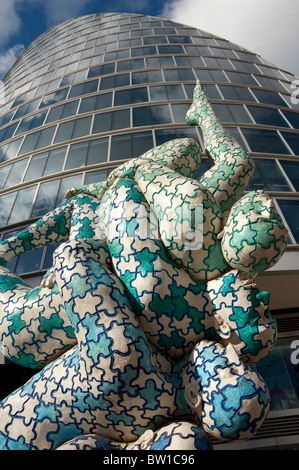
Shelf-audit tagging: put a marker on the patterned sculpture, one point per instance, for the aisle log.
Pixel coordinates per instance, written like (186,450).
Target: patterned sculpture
(149,317)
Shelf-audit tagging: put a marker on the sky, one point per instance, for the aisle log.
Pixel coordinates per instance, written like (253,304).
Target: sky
(266,27)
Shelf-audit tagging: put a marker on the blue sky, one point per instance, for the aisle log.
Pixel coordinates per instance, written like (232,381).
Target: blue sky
(267,27)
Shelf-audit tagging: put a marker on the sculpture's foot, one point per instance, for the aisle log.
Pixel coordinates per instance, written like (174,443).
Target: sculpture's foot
(200,108)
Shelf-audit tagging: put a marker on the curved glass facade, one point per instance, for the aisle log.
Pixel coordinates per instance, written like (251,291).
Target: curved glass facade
(97,90)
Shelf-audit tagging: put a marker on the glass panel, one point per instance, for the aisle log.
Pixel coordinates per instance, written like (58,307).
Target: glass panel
(6,202)
(48,260)
(69,109)
(55,161)
(77,156)
(292,170)
(95,176)
(272,175)
(274,142)
(98,151)
(55,114)
(269,97)
(158,93)
(179,112)
(3,175)
(121,147)
(120,119)
(36,166)
(29,262)
(16,173)
(66,184)
(290,210)
(22,206)
(293,118)
(102,123)
(45,137)
(161,114)
(292,140)
(82,127)
(280,375)
(270,117)
(142,142)
(46,198)
(64,131)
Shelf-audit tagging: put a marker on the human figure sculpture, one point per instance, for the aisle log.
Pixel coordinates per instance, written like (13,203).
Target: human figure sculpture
(114,383)
(179,301)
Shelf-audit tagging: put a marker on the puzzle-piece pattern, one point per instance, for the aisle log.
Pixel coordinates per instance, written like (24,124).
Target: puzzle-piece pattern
(148,327)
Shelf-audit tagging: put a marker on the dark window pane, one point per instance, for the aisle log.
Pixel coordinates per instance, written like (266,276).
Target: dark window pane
(29,262)
(142,142)
(292,170)
(98,151)
(121,147)
(268,97)
(290,210)
(69,109)
(48,261)
(54,114)
(267,116)
(292,140)
(272,175)
(142,116)
(158,93)
(122,97)
(179,112)
(160,114)
(81,127)
(274,142)
(256,181)
(87,104)
(95,176)
(64,132)
(293,118)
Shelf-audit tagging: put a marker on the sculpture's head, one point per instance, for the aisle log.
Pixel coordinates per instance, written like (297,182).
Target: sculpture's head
(229,399)
(242,317)
(254,237)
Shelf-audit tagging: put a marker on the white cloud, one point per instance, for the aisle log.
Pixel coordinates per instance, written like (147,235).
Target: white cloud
(267,27)
(58,11)
(10,22)
(8,58)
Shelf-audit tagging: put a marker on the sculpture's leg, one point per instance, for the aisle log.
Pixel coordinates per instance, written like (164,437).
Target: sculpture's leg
(175,436)
(233,167)
(34,327)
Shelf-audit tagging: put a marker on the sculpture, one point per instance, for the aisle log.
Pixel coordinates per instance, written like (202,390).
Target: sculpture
(150,322)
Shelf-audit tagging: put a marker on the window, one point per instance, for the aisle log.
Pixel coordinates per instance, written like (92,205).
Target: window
(130,65)
(269,97)
(264,141)
(73,129)
(166,92)
(293,118)
(95,176)
(164,135)
(145,116)
(292,140)
(267,116)
(292,170)
(131,96)
(290,210)
(16,174)
(37,140)
(83,88)
(146,77)
(111,121)
(236,93)
(22,207)
(96,102)
(100,70)
(6,201)
(115,81)
(46,198)
(268,174)
(175,75)
(231,113)
(130,145)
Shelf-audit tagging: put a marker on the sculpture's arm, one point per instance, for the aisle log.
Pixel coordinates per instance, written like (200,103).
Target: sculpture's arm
(233,167)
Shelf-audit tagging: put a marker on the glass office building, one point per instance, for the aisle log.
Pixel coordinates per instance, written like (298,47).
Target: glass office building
(97,90)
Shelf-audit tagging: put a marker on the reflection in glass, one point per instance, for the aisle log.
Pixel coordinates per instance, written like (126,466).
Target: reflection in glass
(6,201)
(292,170)
(22,207)
(290,210)
(46,197)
